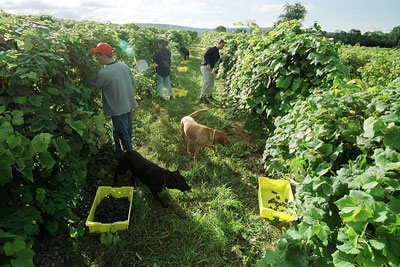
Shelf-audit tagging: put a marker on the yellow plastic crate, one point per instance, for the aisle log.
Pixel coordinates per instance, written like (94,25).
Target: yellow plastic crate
(179,92)
(182,69)
(117,192)
(269,193)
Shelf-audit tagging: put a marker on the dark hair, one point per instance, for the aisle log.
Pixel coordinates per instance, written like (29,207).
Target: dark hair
(221,41)
(162,42)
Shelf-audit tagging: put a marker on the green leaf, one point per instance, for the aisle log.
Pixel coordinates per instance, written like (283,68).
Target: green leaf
(380,212)
(9,249)
(36,100)
(25,167)
(377,244)
(391,250)
(37,125)
(392,138)
(53,91)
(14,247)
(394,205)
(369,127)
(46,160)
(28,43)
(296,84)
(352,236)
(343,260)
(20,100)
(322,231)
(41,142)
(7,160)
(106,239)
(283,82)
(78,126)
(363,197)
(6,234)
(5,130)
(33,76)
(13,141)
(346,201)
(62,146)
(18,117)
(24,258)
(52,227)
(40,194)
(387,159)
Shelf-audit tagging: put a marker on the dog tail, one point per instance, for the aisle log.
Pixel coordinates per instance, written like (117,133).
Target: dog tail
(197,112)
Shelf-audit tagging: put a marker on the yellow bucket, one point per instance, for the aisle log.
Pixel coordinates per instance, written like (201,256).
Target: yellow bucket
(179,92)
(102,192)
(273,197)
(182,69)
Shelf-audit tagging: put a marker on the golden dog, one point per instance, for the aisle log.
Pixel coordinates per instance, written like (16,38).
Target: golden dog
(200,135)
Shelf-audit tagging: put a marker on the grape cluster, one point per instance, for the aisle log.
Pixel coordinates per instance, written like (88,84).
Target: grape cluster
(112,209)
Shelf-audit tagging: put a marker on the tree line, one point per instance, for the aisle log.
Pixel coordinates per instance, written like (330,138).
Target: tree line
(371,39)
(297,11)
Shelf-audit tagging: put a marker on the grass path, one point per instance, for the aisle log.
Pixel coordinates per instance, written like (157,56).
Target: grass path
(217,224)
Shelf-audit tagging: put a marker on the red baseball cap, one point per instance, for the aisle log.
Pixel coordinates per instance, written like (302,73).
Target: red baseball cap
(103,48)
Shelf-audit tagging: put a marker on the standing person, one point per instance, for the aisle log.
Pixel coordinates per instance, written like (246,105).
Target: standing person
(210,58)
(116,82)
(163,60)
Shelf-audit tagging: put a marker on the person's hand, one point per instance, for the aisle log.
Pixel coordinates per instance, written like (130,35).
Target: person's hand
(208,66)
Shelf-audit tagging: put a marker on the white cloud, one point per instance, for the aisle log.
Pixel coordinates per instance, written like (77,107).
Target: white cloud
(268,9)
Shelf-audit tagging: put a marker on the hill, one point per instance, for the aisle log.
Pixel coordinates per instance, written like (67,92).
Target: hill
(186,28)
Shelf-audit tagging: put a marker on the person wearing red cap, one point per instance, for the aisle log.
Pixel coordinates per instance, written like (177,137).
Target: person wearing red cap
(116,82)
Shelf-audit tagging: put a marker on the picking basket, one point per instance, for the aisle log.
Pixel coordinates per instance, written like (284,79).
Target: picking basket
(102,192)
(179,92)
(182,69)
(273,197)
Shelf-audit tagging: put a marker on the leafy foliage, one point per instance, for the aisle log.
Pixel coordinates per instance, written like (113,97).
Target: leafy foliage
(51,126)
(342,146)
(374,66)
(265,75)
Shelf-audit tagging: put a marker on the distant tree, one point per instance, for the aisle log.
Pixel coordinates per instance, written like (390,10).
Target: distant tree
(354,36)
(240,30)
(220,29)
(395,36)
(372,38)
(295,11)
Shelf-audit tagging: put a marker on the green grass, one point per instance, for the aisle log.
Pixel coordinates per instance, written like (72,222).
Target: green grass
(218,223)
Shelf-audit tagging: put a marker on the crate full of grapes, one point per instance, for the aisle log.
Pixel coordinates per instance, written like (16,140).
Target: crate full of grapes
(111,209)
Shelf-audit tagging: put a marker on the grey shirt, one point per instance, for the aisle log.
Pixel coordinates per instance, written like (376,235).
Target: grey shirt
(116,83)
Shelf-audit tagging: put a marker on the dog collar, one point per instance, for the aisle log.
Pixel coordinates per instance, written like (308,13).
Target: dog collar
(213,138)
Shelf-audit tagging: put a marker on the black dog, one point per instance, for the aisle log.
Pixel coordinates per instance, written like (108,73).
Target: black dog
(155,177)
(185,52)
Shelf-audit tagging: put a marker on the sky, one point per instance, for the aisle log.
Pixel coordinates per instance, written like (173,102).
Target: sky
(331,15)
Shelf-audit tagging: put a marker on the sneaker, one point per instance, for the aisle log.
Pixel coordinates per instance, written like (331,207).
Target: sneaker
(171,97)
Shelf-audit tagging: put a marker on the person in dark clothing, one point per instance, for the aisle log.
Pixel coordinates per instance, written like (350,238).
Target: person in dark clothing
(185,52)
(210,58)
(163,60)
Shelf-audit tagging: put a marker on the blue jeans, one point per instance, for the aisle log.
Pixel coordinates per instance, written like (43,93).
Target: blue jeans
(122,132)
(161,82)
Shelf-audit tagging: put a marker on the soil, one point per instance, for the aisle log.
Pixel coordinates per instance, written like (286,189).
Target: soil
(112,209)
